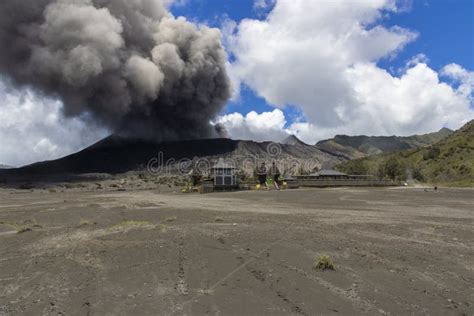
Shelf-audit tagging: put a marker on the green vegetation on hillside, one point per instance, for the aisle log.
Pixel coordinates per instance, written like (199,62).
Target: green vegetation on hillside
(449,161)
(362,146)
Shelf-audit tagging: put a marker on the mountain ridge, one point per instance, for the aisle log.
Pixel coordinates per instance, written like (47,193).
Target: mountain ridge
(353,147)
(115,155)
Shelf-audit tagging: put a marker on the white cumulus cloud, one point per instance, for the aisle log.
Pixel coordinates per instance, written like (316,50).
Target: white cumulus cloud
(266,126)
(263,4)
(321,56)
(33,128)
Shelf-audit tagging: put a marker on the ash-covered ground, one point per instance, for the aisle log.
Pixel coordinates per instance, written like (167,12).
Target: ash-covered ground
(100,252)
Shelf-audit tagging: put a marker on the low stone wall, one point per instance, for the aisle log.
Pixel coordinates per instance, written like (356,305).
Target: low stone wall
(344,183)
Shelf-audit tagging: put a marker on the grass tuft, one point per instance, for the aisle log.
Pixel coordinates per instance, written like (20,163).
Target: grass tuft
(171,219)
(163,228)
(85,222)
(323,263)
(130,223)
(20,229)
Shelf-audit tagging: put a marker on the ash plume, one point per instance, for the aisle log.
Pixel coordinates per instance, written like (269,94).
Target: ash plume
(132,65)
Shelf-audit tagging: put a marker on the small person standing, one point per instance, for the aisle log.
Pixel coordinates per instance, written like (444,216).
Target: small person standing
(275,175)
(262,175)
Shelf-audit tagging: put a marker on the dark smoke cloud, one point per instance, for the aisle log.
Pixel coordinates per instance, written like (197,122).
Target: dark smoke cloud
(137,69)
(221,131)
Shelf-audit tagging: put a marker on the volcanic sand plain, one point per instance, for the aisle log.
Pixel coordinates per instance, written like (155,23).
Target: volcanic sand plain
(396,251)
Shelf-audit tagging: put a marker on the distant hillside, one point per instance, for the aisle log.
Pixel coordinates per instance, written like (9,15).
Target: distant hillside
(116,155)
(450,161)
(5,167)
(354,147)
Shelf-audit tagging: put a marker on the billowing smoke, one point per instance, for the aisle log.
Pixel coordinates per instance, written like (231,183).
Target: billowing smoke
(130,64)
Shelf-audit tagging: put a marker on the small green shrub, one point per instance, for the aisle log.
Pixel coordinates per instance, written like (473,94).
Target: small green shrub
(432,153)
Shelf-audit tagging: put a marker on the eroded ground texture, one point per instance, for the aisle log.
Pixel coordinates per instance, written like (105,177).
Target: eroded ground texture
(396,252)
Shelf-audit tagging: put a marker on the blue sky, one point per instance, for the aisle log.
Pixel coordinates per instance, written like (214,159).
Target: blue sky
(446,31)
(445,27)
